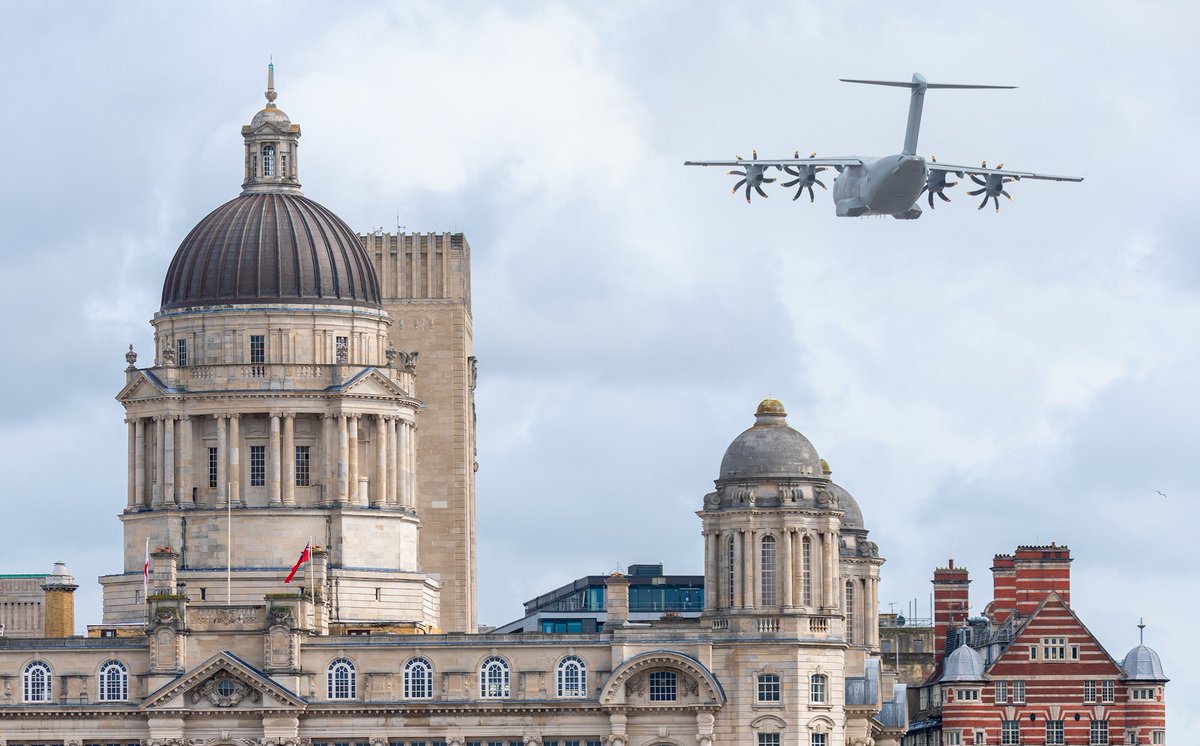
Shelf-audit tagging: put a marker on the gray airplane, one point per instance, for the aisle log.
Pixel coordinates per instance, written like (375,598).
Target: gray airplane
(890,185)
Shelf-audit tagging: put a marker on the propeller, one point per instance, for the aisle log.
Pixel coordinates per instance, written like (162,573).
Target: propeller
(752,177)
(992,187)
(935,183)
(806,176)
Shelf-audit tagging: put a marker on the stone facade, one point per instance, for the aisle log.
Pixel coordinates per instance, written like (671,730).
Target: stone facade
(281,413)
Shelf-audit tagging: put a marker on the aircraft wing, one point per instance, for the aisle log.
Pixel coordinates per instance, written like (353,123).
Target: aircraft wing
(980,171)
(781,162)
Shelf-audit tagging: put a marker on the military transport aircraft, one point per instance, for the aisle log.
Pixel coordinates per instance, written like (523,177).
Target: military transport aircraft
(890,185)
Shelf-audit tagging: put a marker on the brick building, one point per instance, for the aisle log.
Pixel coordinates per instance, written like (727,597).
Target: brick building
(1029,671)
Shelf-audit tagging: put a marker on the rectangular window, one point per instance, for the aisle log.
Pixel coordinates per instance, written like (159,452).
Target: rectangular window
(818,739)
(258,466)
(767,571)
(212,467)
(980,737)
(1054,733)
(816,689)
(1098,732)
(181,352)
(919,645)
(768,739)
(967,695)
(1010,732)
(258,348)
(303,466)
(953,738)
(1089,691)
(769,689)
(1074,652)
(1158,737)
(1001,692)
(1054,648)
(1018,692)
(662,686)
(885,646)
(1108,691)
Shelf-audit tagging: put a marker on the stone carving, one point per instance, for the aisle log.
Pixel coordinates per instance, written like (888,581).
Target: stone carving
(391,353)
(224,692)
(281,615)
(131,358)
(473,362)
(166,615)
(689,685)
(868,549)
(343,352)
(228,616)
(410,362)
(712,500)
(633,687)
(825,498)
(744,495)
(790,492)
(168,354)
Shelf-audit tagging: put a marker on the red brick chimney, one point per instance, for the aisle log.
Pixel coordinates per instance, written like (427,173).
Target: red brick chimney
(1004,587)
(950,606)
(1039,570)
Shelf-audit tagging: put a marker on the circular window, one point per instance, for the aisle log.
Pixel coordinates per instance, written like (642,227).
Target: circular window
(226,687)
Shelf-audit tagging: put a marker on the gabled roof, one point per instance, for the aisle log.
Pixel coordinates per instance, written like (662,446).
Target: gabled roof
(272,694)
(146,385)
(1052,599)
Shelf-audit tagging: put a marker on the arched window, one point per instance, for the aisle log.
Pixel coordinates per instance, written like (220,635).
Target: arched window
(850,633)
(114,682)
(418,679)
(572,677)
(268,153)
(806,570)
(36,682)
(818,689)
(767,566)
(341,679)
(730,570)
(493,678)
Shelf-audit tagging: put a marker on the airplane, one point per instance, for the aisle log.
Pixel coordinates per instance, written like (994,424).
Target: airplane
(889,185)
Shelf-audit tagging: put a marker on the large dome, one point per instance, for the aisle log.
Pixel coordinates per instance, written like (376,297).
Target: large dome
(770,449)
(267,248)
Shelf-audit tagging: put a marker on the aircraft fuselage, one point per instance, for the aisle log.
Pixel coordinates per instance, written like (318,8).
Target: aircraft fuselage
(888,185)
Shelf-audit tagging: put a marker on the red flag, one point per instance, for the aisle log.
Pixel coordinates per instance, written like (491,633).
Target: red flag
(304,556)
(146,571)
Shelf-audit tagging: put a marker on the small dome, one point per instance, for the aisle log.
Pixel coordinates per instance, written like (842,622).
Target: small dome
(853,518)
(771,406)
(271,115)
(964,664)
(268,248)
(1142,664)
(770,449)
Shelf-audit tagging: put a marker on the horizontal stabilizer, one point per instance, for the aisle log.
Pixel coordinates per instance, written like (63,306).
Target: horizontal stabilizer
(922,84)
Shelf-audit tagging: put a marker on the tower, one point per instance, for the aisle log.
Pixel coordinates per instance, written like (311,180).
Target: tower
(275,413)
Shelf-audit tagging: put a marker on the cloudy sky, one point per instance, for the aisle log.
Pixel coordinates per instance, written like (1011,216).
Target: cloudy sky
(978,381)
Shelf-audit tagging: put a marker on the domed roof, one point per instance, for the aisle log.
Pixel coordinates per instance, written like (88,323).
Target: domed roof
(853,518)
(272,115)
(770,449)
(266,248)
(1142,664)
(964,664)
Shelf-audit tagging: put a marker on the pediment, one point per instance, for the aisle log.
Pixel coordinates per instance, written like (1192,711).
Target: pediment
(223,682)
(371,383)
(628,684)
(143,386)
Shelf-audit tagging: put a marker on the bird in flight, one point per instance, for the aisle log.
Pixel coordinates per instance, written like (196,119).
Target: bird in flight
(1161,493)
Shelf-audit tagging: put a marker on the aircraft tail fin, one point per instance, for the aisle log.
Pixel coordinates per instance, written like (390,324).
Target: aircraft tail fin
(918,86)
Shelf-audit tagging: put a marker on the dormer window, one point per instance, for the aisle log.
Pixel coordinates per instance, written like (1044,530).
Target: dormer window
(268,160)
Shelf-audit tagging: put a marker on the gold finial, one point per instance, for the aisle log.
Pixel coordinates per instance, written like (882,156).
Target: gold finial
(271,94)
(825,468)
(770,406)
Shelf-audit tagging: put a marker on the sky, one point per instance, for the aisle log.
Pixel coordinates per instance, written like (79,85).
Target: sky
(976,380)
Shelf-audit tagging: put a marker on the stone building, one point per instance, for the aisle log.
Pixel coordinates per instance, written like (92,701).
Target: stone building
(1029,671)
(311,389)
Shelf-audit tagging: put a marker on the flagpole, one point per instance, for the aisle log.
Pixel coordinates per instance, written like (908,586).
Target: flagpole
(312,588)
(146,586)
(228,543)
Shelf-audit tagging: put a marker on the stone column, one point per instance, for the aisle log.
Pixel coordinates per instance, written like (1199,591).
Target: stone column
(405,496)
(222,460)
(168,462)
(752,569)
(871,613)
(139,462)
(738,569)
(379,491)
(187,474)
(785,564)
(131,466)
(710,574)
(160,457)
(393,470)
(328,458)
(352,464)
(411,451)
(273,465)
(830,601)
(343,459)
(235,468)
(289,459)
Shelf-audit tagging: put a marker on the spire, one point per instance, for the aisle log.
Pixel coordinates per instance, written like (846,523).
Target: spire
(271,94)
(1141,631)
